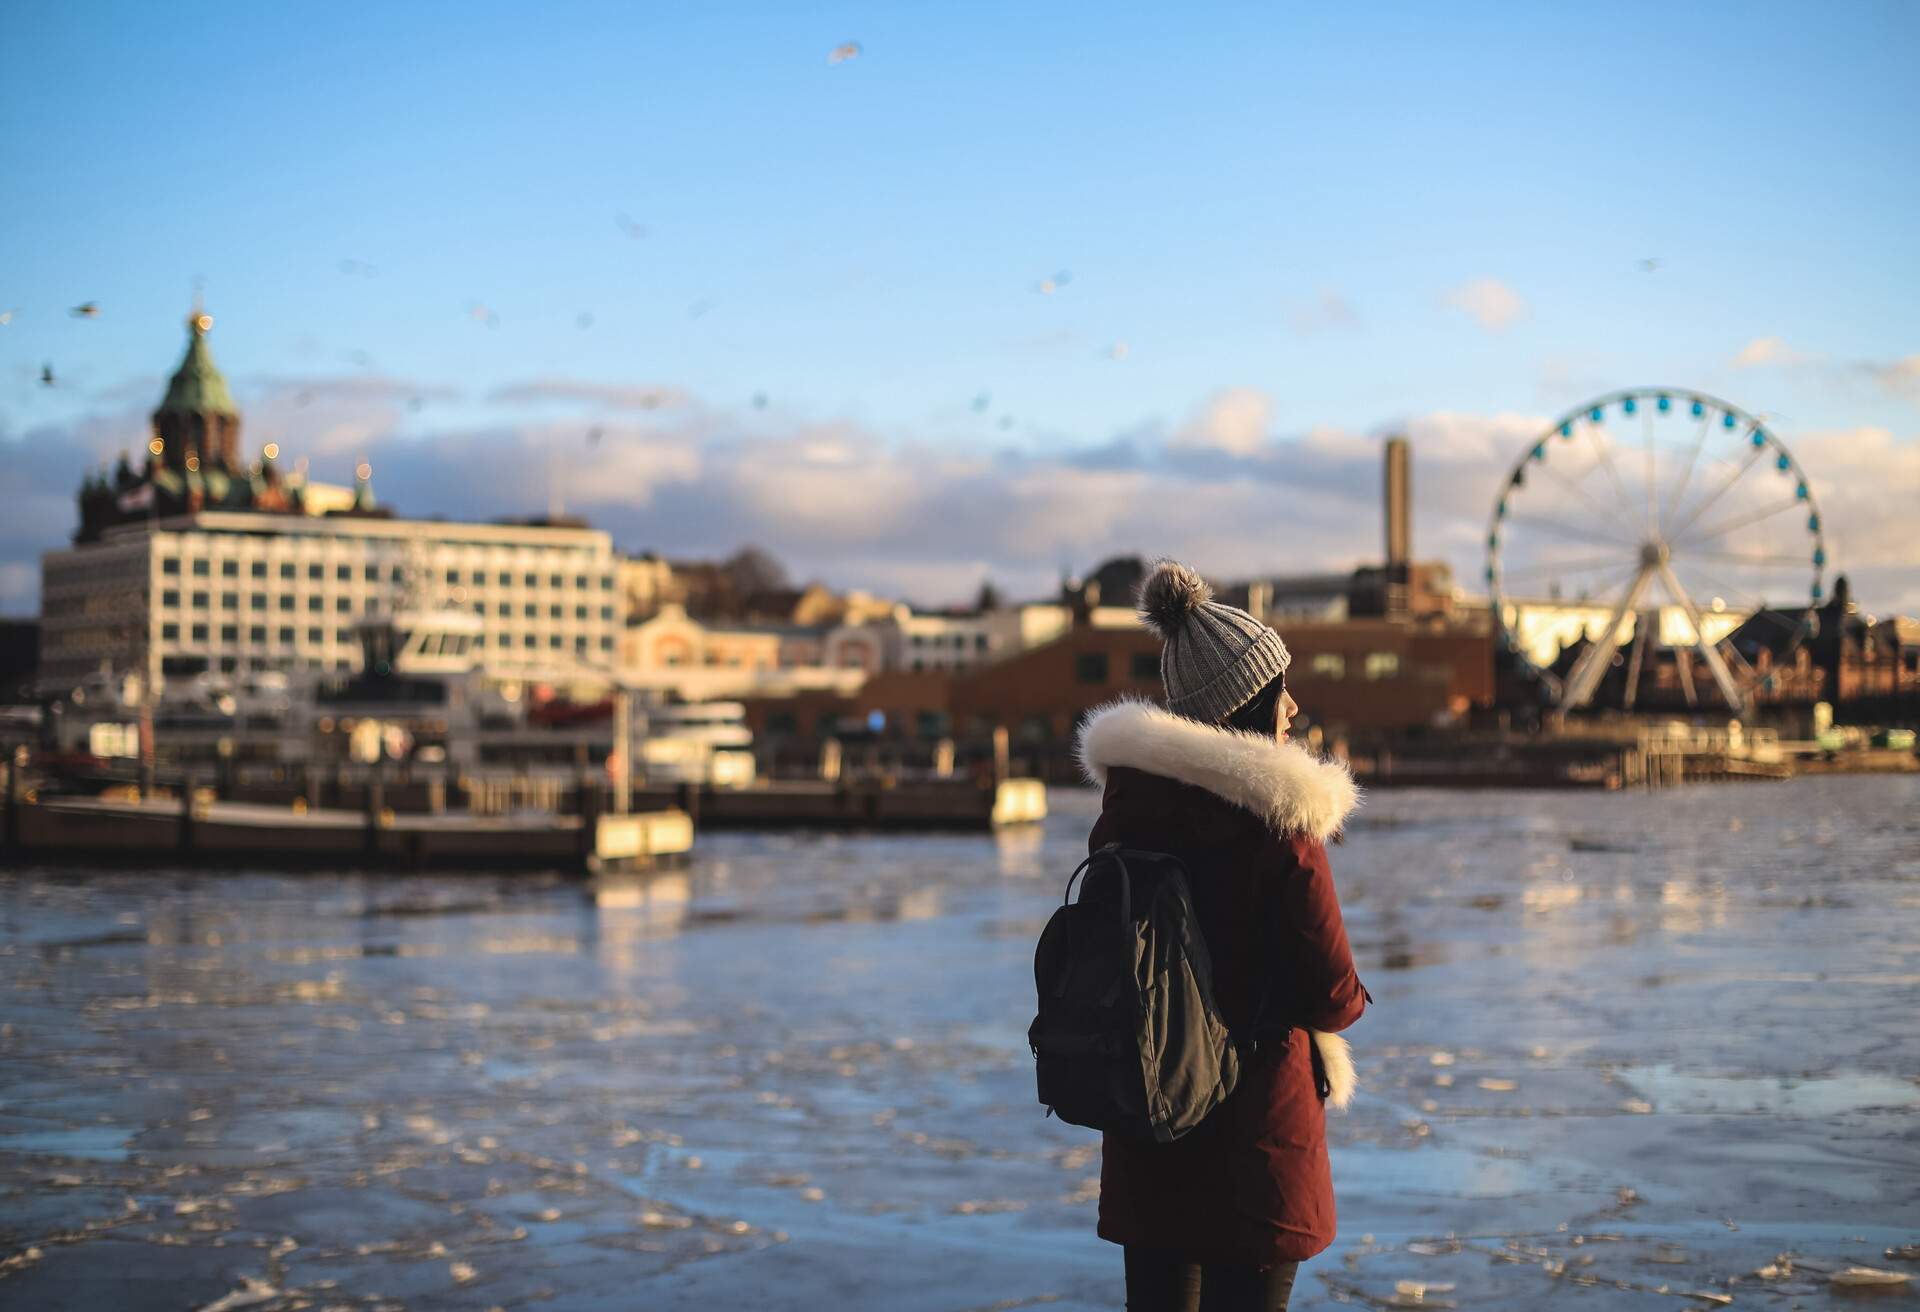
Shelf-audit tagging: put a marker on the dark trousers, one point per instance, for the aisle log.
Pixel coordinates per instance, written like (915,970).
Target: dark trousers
(1164,1282)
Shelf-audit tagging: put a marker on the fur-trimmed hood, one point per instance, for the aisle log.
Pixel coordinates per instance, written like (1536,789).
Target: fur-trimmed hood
(1279,782)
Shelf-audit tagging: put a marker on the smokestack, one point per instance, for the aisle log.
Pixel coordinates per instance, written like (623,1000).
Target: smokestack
(1399,523)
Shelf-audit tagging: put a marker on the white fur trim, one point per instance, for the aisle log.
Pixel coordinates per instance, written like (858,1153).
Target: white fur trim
(1337,1058)
(1279,782)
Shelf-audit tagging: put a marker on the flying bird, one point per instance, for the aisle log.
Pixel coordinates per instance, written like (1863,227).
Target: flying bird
(981,402)
(85,310)
(594,434)
(6,317)
(583,320)
(759,400)
(629,226)
(1651,263)
(46,375)
(1048,286)
(841,53)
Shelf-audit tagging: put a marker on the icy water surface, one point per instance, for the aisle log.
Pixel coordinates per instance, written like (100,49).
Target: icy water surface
(1626,1050)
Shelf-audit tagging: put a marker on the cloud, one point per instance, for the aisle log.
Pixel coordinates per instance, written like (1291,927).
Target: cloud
(1235,421)
(1488,302)
(925,520)
(1768,352)
(1901,377)
(1327,312)
(608,396)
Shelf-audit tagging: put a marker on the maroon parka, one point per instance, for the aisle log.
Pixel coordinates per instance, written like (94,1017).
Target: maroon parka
(1249,816)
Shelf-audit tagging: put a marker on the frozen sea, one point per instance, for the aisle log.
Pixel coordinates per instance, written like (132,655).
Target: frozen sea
(1636,1051)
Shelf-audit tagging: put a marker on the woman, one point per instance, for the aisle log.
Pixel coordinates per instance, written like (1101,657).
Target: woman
(1220,1218)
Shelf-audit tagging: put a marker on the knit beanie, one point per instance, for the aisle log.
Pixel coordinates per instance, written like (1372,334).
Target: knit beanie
(1216,657)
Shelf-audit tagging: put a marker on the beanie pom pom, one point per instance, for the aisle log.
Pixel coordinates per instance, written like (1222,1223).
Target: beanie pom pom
(1170,594)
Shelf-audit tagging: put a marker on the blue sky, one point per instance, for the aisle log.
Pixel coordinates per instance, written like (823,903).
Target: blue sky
(1366,219)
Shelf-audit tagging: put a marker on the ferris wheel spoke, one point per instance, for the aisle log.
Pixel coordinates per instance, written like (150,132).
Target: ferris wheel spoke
(1606,460)
(1725,589)
(1646,436)
(1686,472)
(1711,651)
(1584,565)
(1586,673)
(1746,558)
(1727,526)
(1574,487)
(1726,487)
(1580,534)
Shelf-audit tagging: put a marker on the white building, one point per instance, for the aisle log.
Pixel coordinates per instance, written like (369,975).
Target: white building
(206,560)
(241,592)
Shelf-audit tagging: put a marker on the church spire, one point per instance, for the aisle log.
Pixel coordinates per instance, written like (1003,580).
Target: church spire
(197,418)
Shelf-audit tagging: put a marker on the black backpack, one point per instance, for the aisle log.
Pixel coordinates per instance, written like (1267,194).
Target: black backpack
(1128,1039)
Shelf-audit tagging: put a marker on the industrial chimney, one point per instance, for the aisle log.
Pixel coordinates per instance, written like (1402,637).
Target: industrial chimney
(1399,525)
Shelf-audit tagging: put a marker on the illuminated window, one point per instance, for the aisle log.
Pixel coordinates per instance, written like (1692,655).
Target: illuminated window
(1383,664)
(1332,665)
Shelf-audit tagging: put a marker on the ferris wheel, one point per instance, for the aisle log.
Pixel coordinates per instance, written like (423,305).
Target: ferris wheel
(1651,492)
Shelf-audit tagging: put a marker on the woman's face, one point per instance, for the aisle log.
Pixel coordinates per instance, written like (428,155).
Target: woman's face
(1287,709)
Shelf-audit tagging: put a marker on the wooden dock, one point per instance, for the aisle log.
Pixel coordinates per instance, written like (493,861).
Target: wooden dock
(241,834)
(929,804)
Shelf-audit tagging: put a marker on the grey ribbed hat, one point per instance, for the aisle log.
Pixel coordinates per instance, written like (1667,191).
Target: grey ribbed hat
(1216,656)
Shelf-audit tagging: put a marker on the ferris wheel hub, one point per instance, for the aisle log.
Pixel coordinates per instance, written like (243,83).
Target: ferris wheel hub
(1654,553)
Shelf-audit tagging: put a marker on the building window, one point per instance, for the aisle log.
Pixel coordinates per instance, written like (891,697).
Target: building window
(579,612)
(259,601)
(344,573)
(259,570)
(782,722)
(343,635)
(530,610)
(553,640)
(201,600)
(1145,665)
(286,601)
(553,612)
(979,642)
(504,608)
(372,573)
(316,603)
(557,580)
(316,636)
(257,633)
(606,612)
(1090,667)
(230,600)
(200,568)
(286,634)
(343,604)
(531,580)
(453,576)
(316,572)
(170,565)
(199,633)
(1383,664)
(606,642)
(171,597)
(1330,665)
(580,646)
(229,569)
(169,632)
(229,633)
(286,569)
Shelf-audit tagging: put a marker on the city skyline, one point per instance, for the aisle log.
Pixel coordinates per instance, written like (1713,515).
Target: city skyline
(1056,290)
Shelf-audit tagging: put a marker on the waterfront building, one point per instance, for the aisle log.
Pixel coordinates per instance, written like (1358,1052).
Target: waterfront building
(203,561)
